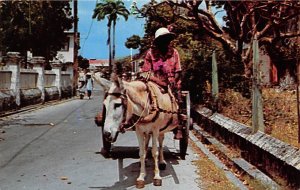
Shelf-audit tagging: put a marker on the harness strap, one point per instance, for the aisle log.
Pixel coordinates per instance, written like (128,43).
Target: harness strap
(166,111)
(123,129)
(154,107)
(154,112)
(167,125)
(173,112)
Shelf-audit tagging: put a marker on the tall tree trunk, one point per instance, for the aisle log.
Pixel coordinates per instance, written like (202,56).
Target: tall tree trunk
(109,49)
(114,48)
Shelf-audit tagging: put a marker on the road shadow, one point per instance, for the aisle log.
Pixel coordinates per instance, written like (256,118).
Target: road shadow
(129,174)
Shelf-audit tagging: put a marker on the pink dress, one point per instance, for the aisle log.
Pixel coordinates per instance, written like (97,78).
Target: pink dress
(163,67)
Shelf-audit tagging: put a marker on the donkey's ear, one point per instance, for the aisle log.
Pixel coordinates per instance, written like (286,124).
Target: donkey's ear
(121,84)
(102,81)
(113,77)
(117,80)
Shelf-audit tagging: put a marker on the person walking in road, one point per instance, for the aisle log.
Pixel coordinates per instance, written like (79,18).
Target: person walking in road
(89,84)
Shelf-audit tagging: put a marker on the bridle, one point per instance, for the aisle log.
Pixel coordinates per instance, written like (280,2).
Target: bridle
(154,112)
(124,101)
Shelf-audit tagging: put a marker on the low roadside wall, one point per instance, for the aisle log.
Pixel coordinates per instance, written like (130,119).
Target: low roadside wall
(7,100)
(21,87)
(272,156)
(30,96)
(51,93)
(66,92)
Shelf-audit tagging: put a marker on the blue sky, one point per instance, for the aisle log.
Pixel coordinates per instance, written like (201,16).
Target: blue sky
(93,34)
(93,43)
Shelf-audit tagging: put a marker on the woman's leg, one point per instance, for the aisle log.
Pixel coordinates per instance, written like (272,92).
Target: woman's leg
(89,93)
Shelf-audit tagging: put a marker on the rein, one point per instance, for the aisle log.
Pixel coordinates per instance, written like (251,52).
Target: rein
(154,112)
(139,119)
(124,98)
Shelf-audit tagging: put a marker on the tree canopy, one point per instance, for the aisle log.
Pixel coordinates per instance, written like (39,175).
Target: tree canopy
(133,42)
(272,22)
(38,26)
(268,21)
(83,62)
(194,46)
(200,30)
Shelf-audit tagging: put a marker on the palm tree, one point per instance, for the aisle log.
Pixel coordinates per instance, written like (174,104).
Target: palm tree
(101,10)
(111,9)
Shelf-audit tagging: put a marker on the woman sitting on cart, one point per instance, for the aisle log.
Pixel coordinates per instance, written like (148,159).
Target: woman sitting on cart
(164,62)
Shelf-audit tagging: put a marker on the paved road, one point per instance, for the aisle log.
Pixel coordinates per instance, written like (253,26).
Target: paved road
(57,148)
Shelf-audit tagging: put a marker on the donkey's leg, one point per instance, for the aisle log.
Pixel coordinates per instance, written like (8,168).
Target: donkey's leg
(162,162)
(140,182)
(157,179)
(147,139)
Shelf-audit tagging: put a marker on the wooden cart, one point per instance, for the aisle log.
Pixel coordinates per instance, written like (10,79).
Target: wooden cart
(186,124)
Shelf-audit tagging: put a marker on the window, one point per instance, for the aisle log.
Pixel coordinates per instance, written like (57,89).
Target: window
(66,45)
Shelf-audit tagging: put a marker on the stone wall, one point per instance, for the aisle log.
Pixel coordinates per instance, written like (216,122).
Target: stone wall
(30,96)
(66,92)
(51,93)
(20,87)
(274,157)
(7,100)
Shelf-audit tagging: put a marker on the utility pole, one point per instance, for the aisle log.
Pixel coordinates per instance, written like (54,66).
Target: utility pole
(76,45)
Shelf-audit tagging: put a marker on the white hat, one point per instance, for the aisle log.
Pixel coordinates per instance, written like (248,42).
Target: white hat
(163,32)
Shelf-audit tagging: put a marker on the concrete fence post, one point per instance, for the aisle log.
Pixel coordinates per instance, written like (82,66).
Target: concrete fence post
(13,61)
(215,82)
(38,65)
(257,101)
(56,68)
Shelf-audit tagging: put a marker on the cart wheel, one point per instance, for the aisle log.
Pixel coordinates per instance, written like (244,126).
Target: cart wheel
(106,144)
(183,143)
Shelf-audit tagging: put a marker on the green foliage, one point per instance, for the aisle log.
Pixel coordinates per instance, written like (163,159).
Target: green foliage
(83,62)
(133,42)
(276,25)
(195,48)
(123,66)
(111,9)
(34,25)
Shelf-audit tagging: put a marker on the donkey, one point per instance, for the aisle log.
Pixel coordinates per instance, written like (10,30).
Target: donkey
(148,110)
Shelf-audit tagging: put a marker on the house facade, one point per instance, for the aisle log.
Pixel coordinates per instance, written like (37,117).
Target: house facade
(66,54)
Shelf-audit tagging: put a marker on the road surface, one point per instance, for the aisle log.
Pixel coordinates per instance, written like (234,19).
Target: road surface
(57,148)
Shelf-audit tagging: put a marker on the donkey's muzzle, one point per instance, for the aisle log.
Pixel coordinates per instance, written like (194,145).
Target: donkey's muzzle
(99,120)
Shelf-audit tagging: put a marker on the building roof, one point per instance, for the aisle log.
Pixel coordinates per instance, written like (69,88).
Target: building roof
(99,62)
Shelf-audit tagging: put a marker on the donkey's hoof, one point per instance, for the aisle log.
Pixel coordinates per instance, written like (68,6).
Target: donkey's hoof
(157,182)
(140,184)
(162,166)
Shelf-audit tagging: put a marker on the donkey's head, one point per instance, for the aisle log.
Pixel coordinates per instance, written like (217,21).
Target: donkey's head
(114,106)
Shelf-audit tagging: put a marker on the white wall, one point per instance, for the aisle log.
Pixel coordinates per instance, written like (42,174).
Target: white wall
(67,56)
